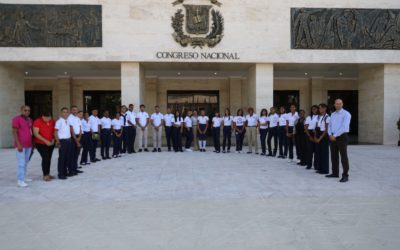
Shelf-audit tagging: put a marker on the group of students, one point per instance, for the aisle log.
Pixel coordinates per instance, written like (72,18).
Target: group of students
(77,133)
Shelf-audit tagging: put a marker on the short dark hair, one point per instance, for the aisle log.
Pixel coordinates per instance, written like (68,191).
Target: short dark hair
(142,106)
(46,113)
(64,108)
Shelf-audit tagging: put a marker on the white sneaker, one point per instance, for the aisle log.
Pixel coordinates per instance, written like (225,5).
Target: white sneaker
(22,184)
(188,150)
(290,160)
(28,180)
(298,161)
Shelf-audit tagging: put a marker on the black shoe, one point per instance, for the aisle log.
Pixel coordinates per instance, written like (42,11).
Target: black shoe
(218,152)
(133,152)
(146,150)
(249,152)
(62,177)
(159,149)
(93,161)
(71,174)
(344,179)
(262,154)
(308,167)
(103,158)
(140,150)
(169,150)
(83,163)
(154,150)
(108,158)
(97,159)
(332,176)
(79,172)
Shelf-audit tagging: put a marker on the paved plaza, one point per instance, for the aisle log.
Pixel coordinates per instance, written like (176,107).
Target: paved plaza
(204,201)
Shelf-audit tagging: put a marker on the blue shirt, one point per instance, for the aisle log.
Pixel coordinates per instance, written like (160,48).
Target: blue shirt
(340,123)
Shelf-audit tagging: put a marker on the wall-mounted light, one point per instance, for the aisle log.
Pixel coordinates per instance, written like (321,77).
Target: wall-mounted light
(179,73)
(340,73)
(306,74)
(26,73)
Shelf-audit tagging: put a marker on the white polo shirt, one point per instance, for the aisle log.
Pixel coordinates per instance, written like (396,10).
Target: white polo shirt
(94,123)
(157,119)
(203,119)
(217,121)
(273,120)
(228,121)
(178,121)
(126,118)
(194,120)
(85,126)
(131,116)
(282,120)
(63,129)
(188,122)
(142,116)
(322,120)
(252,120)
(311,122)
(168,119)
(75,123)
(263,119)
(105,123)
(239,120)
(117,123)
(292,118)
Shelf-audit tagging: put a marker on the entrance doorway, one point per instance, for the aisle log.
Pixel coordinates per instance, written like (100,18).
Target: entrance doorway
(102,100)
(350,101)
(286,98)
(193,100)
(39,101)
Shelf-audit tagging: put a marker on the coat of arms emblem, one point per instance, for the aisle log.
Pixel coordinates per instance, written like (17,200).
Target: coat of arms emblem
(198,25)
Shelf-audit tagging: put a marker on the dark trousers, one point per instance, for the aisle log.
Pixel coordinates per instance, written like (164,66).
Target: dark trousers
(227,134)
(169,135)
(291,142)
(105,142)
(239,139)
(340,147)
(216,138)
(311,152)
(283,141)
(86,142)
(63,157)
(117,143)
(189,137)
(93,149)
(177,139)
(323,154)
(273,133)
(263,137)
(125,136)
(45,152)
(74,155)
(301,147)
(131,139)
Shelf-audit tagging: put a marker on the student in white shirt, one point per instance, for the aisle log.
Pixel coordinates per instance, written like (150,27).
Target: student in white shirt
(188,125)
(76,132)
(86,139)
(117,132)
(301,139)
(291,120)
(131,128)
(216,131)
(240,130)
(202,130)
(156,122)
(168,117)
(94,123)
(227,130)
(272,131)
(321,138)
(125,130)
(282,137)
(142,121)
(251,129)
(105,135)
(263,121)
(310,125)
(177,122)
(62,135)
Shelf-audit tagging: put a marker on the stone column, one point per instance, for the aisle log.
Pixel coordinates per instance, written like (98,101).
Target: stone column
(379,107)
(12,96)
(62,93)
(132,84)
(261,86)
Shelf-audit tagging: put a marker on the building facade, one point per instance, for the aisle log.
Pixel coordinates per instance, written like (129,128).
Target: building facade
(203,54)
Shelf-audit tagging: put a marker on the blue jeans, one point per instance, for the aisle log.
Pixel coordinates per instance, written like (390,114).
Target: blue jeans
(22,163)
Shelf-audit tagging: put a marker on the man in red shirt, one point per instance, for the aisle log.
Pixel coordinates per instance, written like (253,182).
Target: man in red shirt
(22,132)
(43,130)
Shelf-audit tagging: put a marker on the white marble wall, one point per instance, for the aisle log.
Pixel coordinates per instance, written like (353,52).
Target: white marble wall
(258,30)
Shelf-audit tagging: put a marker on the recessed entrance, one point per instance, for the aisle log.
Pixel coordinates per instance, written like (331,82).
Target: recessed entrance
(193,100)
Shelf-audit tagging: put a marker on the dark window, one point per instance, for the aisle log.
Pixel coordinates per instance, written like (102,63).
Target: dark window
(286,98)
(102,100)
(39,101)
